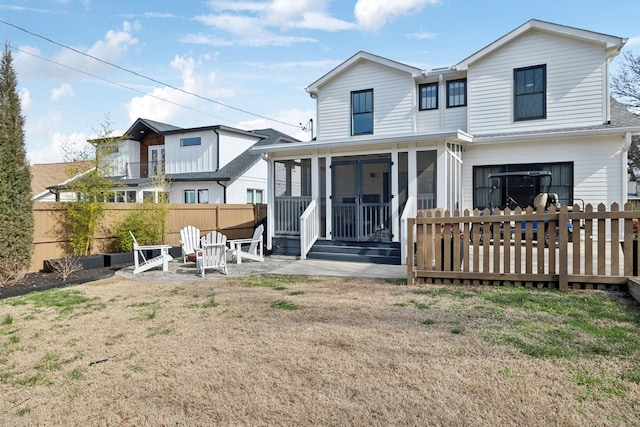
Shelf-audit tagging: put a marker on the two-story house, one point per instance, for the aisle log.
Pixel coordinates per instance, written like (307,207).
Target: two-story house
(392,138)
(211,164)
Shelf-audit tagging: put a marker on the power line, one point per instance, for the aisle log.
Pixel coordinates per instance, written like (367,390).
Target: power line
(118,84)
(144,76)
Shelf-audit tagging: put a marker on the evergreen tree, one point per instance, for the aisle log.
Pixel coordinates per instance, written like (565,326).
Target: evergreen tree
(16,207)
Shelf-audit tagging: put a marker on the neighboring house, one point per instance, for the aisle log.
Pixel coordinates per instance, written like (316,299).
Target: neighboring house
(392,138)
(209,164)
(45,177)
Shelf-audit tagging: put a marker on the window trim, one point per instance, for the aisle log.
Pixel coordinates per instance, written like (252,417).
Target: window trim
(517,96)
(190,191)
(449,82)
(421,107)
(191,141)
(353,114)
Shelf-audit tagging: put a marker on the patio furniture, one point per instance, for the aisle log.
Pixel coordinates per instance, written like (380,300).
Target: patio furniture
(212,253)
(254,249)
(142,263)
(190,241)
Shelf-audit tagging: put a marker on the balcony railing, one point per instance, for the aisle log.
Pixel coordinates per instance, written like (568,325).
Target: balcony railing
(144,169)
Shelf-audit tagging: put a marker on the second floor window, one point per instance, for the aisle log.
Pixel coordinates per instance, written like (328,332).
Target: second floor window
(428,96)
(456,93)
(362,112)
(530,97)
(188,142)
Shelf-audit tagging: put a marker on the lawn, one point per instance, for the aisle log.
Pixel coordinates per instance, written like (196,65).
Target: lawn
(278,350)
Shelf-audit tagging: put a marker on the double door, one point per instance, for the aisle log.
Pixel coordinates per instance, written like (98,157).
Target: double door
(361,202)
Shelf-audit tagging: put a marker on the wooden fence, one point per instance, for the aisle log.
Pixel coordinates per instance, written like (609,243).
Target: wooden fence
(49,239)
(525,248)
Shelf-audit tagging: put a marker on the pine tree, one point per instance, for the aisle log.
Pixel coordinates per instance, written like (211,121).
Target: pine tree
(16,214)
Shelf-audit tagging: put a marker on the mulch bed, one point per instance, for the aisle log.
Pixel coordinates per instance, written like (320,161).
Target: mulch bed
(41,281)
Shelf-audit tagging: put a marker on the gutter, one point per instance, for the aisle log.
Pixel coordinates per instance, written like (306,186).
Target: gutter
(224,191)
(552,135)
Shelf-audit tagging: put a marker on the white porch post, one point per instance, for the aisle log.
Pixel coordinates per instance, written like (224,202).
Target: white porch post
(329,193)
(315,183)
(271,201)
(412,172)
(395,215)
(442,193)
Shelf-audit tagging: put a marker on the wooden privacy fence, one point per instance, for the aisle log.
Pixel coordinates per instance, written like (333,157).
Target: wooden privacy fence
(525,248)
(49,239)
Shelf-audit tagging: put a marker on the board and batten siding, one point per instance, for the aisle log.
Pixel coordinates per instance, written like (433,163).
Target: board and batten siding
(233,144)
(575,84)
(598,174)
(393,98)
(195,158)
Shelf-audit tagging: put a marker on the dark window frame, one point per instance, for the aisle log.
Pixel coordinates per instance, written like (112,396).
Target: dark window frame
(427,86)
(449,84)
(361,112)
(518,97)
(191,141)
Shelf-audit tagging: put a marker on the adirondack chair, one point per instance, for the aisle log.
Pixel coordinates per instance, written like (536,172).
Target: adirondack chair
(254,249)
(141,263)
(190,241)
(212,253)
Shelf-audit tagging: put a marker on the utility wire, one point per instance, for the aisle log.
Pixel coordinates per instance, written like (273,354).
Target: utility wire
(144,76)
(118,84)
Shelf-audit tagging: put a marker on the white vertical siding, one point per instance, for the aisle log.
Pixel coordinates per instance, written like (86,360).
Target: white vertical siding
(255,178)
(216,192)
(576,76)
(196,158)
(597,173)
(393,97)
(233,144)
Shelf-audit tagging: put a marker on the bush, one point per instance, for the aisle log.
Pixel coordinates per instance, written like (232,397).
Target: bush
(146,221)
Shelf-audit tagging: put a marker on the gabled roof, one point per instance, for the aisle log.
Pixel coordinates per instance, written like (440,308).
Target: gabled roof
(611,43)
(357,58)
(142,126)
(47,175)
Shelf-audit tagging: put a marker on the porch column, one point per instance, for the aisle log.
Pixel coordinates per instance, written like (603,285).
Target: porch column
(442,166)
(329,192)
(315,184)
(412,172)
(395,215)
(271,201)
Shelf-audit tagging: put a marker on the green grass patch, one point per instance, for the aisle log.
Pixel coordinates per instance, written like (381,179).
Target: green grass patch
(296,293)
(284,305)
(280,288)
(211,303)
(416,304)
(596,386)
(266,281)
(23,411)
(428,322)
(7,320)
(65,301)
(632,375)
(49,363)
(145,304)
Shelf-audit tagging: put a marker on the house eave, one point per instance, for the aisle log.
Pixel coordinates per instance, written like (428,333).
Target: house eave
(621,131)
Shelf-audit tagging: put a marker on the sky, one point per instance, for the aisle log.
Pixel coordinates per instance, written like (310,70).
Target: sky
(87,65)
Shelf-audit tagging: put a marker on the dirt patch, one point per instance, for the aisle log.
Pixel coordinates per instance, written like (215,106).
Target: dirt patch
(279,351)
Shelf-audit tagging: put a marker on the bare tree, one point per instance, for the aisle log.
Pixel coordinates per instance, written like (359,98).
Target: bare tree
(625,86)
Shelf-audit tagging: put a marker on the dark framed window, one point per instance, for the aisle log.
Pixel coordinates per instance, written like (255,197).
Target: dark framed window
(428,93)
(522,190)
(456,93)
(203,196)
(530,93)
(189,196)
(362,112)
(188,142)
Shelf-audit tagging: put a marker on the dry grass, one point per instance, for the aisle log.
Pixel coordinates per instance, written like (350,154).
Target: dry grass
(296,352)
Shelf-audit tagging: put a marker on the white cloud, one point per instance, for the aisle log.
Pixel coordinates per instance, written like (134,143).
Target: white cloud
(64,89)
(423,35)
(310,14)
(25,99)
(633,41)
(374,14)
(60,148)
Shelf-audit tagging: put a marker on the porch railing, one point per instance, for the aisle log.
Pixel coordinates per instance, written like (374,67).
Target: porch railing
(426,200)
(365,221)
(526,248)
(408,212)
(309,229)
(288,210)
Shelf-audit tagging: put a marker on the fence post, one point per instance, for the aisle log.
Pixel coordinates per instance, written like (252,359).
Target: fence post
(563,218)
(410,254)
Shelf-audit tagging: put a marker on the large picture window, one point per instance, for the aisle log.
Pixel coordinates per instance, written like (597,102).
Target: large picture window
(530,93)
(362,112)
(428,96)
(517,190)
(456,93)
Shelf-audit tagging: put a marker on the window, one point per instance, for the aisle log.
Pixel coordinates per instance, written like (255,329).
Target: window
(196,196)
(254,196)
(428,96)
(362,112)
(456,93)
(188,142)
(530,98)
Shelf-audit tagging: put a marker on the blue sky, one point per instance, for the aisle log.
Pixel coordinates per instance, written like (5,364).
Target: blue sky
(256,55)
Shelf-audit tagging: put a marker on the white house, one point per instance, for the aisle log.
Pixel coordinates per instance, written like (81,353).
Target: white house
(392,138)
(211,164)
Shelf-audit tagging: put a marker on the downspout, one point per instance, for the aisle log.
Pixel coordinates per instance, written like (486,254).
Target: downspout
(218,155)
(224,192)
(624,160)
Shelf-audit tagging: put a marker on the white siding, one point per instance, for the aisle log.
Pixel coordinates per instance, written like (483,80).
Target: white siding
(255,179)
(575,84)
(443,119)
(196,158)
(597,165)
(233,144)
(393,98)
(216,192)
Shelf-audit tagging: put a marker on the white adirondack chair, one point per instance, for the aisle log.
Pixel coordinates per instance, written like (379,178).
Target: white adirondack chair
(190,241)
(212,253)
(254,249)
(141,263)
